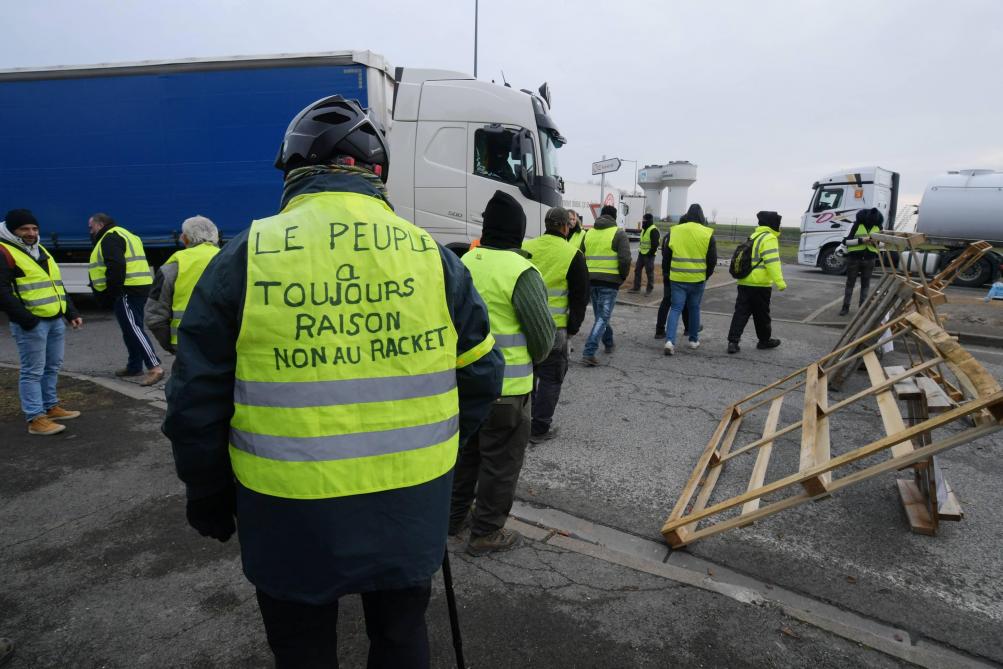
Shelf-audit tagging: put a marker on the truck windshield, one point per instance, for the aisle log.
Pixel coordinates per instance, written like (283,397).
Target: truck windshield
(548,147)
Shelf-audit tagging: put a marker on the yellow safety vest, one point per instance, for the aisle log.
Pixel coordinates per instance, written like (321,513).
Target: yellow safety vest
(645,246)
(552,255)
(765,259)
(495,272)
(191,263)
(346,359)
(576,238)
(137,270)
(41,292)
(857,248)
(689,243)
(599,254)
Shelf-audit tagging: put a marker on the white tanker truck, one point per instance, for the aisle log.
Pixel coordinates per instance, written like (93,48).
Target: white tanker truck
(957,208)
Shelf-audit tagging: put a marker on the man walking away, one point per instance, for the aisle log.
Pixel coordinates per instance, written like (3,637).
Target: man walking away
(646,255)
(567,279)
(861,253)
(754,290)
(692,258)
(489,464)
(33,297)
(327,423)
(175,281)
(607,254)
(120,276)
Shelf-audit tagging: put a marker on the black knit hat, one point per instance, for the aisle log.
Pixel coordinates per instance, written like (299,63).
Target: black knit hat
(504,222)
(769,219)
(693,215)
(15,218)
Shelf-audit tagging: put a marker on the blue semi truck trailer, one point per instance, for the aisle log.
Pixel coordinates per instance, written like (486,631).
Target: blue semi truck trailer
(156,142)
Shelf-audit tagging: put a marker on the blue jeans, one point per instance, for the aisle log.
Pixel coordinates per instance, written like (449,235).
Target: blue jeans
(41,352)
(684,296)
(129,312)
(603,299)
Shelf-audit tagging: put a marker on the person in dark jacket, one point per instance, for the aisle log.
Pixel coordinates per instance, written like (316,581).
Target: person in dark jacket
(607,254)
(693,215)
(688,274)
(351,351)
(34,299)
(861,254)
(646,254)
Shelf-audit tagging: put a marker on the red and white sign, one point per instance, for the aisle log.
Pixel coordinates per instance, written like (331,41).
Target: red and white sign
(609,201)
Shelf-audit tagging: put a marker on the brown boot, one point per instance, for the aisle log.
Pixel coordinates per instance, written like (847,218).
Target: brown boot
(59,413)
(43,426)
(152,377)
(499,540)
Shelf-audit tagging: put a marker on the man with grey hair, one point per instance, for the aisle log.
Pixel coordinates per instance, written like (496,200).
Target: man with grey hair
(176,280)
(567,278)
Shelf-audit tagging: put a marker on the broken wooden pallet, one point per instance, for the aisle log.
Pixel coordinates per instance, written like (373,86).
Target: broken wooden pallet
(821,472)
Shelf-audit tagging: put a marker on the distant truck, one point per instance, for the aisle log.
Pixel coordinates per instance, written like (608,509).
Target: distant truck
(153,143)
(957,208)
(584,199)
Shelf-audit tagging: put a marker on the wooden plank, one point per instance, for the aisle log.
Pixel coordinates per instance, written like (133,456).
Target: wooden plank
(906,389)
(714,472)
(814,485)
(763,457)
(914,504)
(702,463)
(937,400)
(822,446)
(890,414)
(950,509)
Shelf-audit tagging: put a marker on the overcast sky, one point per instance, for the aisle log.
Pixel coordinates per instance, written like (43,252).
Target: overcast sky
(764,96)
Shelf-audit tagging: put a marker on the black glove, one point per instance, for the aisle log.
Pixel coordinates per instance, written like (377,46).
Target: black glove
(213,516)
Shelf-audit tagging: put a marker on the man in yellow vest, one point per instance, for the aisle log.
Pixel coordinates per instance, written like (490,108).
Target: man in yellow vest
(176,279)
(692,256)
(755,290)
(522,327)
(33,297)
(861,253)
(646,251)
(331,360)
(120,276)
(607,254)
(567,279)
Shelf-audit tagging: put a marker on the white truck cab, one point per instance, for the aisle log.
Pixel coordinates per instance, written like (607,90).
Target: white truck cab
(455,140)
(836,199)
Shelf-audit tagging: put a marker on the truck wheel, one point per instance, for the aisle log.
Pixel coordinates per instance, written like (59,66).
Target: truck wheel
(978,274)
(831,261)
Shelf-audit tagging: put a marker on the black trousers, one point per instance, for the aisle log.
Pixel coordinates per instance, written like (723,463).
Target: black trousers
(752,301)
(305,636)
(646,263)
(663,309)
(859,264)
(488,467)
(548,377)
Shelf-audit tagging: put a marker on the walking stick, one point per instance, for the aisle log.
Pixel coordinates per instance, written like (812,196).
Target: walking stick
(454,623)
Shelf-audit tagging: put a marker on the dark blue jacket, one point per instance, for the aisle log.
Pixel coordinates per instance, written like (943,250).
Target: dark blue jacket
(314,551)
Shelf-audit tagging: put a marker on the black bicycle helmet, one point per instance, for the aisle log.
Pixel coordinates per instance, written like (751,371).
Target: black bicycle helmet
(333,127)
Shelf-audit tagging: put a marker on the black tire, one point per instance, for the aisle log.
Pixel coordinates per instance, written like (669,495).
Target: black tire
(831,262)
(978,274)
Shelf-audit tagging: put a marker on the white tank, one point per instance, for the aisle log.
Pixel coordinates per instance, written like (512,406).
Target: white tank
(677,176)
(965,205)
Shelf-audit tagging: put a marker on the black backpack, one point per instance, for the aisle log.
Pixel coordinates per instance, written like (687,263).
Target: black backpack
(741,260)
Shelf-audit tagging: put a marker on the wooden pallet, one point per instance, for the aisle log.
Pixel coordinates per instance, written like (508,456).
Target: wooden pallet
(820,472)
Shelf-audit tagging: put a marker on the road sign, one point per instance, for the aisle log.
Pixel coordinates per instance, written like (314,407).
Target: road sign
(609,201)
(604,166)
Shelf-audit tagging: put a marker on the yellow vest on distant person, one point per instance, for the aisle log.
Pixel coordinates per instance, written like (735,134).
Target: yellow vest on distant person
(599,254)
(137,269)
(41,293)
(645,246)
(191,263)
(689,243)
(552,255)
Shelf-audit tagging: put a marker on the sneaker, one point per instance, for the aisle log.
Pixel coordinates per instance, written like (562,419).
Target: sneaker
(669,348)
(499,540)
(152,377)
(543,436)
(41,425)
(844,311)
(590,361)
(733,347)
(769,343)
(125,371)
(59,413)
(693,345)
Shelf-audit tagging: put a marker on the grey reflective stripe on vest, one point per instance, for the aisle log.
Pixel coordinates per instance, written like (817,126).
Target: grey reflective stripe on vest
(132,258)
(177,314)
(508,340)
(99,282)
(95,265)
(36,286)
(518,371)
(344,446)
(686,270)
(556,293)
(674,259)
(600,257)
(558,310)
(133,275)
(44,300)
(303,394)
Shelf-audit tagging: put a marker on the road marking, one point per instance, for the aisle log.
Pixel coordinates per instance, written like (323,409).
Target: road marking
(818,312)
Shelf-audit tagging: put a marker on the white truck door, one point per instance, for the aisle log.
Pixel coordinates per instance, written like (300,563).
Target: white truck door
(440,176)
(824,225)
(494,164)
